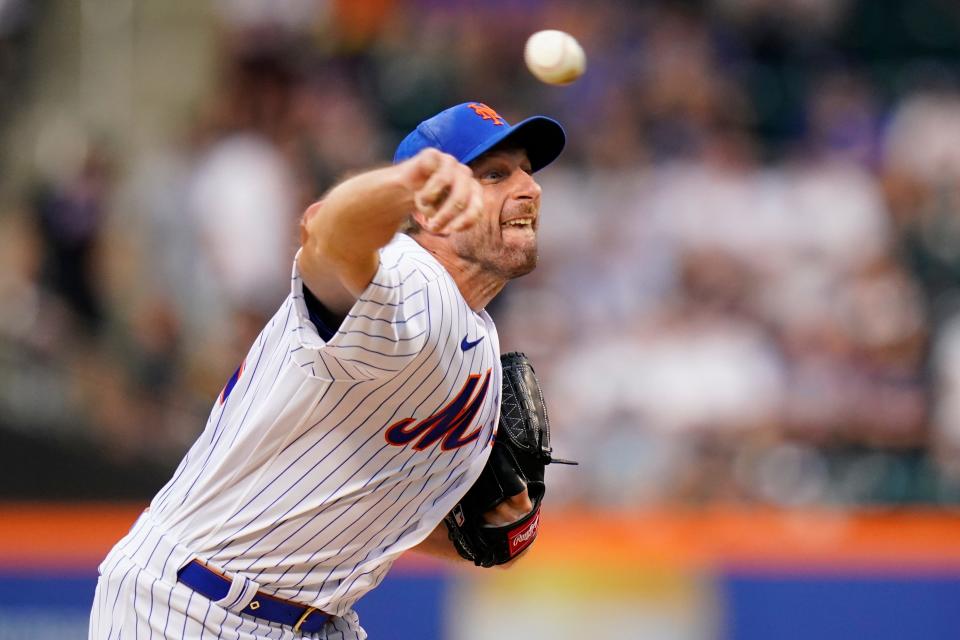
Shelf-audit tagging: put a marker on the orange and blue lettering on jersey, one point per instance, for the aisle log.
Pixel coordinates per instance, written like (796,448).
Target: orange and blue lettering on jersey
(448,424)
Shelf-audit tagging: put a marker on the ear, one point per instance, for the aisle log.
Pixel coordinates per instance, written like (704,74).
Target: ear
(419,218)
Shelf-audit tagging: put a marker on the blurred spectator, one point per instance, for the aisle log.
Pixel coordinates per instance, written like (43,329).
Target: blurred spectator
(750,251)
(16,23)
(70,217)
(241,197)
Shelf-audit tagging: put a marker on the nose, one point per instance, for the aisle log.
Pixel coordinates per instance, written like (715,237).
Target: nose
(527,188)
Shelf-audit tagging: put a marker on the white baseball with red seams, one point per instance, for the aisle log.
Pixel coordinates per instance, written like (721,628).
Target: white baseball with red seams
(554,57)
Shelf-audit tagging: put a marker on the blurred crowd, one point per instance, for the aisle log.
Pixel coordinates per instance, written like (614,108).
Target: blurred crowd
(749,287)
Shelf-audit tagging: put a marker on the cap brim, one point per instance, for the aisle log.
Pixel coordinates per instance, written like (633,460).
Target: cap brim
(543,139)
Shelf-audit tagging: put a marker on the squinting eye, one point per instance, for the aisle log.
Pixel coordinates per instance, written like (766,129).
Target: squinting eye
(493,174)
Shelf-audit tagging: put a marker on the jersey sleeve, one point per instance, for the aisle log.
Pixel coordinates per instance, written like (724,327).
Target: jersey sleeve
(386,328)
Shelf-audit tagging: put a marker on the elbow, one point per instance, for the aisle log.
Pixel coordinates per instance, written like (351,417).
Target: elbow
(309,225)
(317,234)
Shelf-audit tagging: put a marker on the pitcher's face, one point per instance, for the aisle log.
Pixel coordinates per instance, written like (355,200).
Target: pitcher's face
(504,241)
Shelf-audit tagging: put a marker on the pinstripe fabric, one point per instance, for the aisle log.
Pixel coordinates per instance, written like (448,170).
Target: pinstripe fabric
(138,597)
(294,482)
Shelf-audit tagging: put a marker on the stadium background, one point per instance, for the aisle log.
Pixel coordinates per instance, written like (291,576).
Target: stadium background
(745,318)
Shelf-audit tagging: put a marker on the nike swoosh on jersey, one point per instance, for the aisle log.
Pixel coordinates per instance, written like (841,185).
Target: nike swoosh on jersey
(466,345)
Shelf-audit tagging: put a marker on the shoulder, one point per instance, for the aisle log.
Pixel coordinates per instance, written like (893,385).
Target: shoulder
(405,256)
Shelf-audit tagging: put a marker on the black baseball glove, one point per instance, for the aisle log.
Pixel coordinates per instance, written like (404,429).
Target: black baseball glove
(520,453)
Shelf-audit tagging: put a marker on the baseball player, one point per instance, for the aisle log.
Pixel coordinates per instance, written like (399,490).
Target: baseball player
(364,411)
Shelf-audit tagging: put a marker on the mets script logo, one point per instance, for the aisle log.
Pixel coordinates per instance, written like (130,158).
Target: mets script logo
(487,113)
(448,425)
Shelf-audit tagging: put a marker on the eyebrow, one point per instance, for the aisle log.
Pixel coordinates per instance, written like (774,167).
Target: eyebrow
(502,156)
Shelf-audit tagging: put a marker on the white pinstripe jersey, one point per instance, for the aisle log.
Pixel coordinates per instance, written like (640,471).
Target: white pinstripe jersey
(322,461)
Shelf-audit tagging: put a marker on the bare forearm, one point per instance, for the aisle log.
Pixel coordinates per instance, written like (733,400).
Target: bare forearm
(342,233)
(438,544)
(361,214)
(356,218)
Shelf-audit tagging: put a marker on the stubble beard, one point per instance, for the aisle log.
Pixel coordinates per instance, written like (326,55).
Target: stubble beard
(501,260)
(519,261)
(516,261)
(495,255)
(506,260)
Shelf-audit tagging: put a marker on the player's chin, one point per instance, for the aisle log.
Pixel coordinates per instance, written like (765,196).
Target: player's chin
(519,238)
(520,261)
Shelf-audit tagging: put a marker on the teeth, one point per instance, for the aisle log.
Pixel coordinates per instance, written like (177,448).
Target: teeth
(520,222)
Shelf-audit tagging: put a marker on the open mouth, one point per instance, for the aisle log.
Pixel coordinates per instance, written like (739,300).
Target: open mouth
(521,223)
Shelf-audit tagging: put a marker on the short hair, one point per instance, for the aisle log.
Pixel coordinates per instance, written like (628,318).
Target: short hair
(410,226)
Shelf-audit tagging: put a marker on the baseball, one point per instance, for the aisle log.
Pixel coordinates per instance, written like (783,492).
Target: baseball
(554,57)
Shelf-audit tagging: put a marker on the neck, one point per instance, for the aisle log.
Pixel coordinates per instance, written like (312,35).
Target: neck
(477,285)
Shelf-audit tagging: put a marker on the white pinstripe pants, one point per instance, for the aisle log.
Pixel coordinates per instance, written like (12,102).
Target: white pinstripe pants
(138,597)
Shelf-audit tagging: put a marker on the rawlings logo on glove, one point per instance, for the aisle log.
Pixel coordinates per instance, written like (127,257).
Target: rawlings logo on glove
(521,537)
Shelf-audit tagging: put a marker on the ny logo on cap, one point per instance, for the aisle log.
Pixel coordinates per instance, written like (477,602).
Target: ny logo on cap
(487,113)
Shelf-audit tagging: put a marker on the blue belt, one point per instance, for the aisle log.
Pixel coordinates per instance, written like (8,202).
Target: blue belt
(213,585)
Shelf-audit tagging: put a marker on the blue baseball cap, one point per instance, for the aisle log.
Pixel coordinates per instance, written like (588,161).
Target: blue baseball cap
(470,129)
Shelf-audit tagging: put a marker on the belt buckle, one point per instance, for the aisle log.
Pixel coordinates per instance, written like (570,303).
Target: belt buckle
(303,618)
